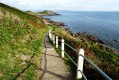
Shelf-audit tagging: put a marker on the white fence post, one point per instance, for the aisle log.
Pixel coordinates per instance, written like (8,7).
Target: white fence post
(62,48)
(53,39)
(80,64)
(56,41)
(50,35)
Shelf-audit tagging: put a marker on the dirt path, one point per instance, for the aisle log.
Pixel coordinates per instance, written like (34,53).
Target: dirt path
(52,66)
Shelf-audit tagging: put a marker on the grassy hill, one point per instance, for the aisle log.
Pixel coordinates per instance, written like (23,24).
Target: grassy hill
(36,21)
(47,13)
(21,38)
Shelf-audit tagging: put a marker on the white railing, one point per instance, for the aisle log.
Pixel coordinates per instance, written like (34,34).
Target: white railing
(80,60)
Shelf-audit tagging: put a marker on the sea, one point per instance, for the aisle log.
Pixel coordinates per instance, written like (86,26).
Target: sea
(104,25)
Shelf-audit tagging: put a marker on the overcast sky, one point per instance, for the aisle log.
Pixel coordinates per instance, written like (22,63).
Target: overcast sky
(79,5)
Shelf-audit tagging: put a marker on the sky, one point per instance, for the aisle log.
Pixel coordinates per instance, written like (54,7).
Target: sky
(76,5)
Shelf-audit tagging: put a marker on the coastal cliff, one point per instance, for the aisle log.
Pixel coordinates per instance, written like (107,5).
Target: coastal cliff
(95,50)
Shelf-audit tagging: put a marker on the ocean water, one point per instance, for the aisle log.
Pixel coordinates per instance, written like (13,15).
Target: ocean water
(103,25)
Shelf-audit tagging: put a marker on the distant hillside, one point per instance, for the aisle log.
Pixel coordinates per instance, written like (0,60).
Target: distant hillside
(47,13)
(21,38)
(36,21)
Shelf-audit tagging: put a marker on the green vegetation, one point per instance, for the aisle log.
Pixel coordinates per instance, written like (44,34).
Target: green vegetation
(32,13)
(106,60)
(35,21)
(47,13)
(21,40)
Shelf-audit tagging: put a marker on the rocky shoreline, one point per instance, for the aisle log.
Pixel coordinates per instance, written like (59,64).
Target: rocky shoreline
(50,22)
(80,35)
(90,37)
(76,35)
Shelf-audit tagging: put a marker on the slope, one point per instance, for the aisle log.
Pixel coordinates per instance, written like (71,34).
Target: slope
(21,38)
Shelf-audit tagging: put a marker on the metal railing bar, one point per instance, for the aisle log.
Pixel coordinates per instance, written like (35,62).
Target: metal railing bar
(59,40)
(70,58)
(71,47)
(83,75)
(96,68)
(59,46)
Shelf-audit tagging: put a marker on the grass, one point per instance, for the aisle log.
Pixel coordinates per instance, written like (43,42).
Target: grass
(104,59)
(21,40)
(35,21)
